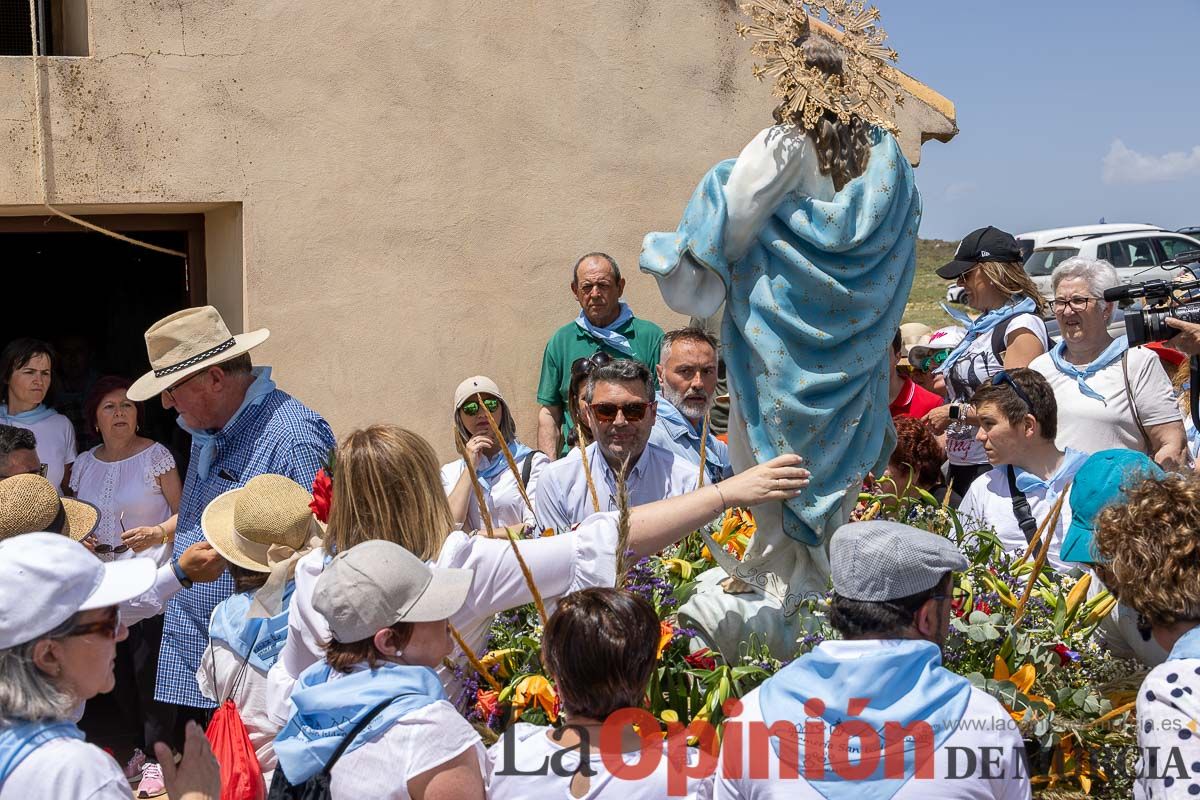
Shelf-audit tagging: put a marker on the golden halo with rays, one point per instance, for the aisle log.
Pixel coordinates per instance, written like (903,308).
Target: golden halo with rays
(863,89)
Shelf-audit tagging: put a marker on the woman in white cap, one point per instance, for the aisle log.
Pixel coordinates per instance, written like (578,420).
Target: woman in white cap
(474,399)
(929,353)
(261,530)
(386,486)
(59,625)
(372,719)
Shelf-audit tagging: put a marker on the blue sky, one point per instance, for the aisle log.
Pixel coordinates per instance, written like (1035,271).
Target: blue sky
(1068,111)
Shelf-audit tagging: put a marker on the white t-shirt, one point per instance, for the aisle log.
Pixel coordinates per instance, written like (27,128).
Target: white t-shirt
(66,768)
(419,741)
(530,748)
(55,437)
(989,502)
(1168,708)
(505,504)
(1090,425)
(976,368)
(250,697)
(568,562)
(985,724)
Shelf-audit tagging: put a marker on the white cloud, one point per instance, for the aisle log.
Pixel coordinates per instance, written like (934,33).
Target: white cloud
(1122,165)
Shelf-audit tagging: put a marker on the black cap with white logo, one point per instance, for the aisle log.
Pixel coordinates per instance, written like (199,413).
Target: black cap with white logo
(985,244)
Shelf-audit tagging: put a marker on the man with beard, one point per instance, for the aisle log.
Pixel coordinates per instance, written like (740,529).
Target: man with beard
(618,403)
(687,373)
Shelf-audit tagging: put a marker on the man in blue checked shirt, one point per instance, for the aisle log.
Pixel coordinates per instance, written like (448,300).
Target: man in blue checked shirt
(241,426)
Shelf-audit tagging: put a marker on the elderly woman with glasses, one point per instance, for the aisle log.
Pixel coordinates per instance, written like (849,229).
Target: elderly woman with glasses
(58,637)
(474,400)
(1109,395)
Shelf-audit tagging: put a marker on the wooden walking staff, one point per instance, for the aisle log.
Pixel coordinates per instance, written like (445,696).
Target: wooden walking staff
(474,476)
(587,468)
(703,440)
(508,456)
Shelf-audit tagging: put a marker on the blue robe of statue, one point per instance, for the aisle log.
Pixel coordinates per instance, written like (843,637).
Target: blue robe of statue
(814,284)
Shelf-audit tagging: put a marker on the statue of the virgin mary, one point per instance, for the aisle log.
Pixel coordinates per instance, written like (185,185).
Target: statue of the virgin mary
(808,239)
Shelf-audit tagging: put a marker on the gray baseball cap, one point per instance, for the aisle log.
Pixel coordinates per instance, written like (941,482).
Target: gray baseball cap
(376,584)
(879,560)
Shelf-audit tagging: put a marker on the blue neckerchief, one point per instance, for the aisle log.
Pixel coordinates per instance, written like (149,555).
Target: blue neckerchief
(904,682)
(493,468)
(1188,646)
(1111,353)
(207,440)
(18,741)
(608,334)
(1072,461)
(35,414)
(327,710)
(677,424)
(261,638)
(981,326)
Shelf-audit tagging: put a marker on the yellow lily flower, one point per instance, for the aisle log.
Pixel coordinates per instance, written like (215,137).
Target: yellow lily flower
(1078,592)
(534,690)
(503,657)
(679,567)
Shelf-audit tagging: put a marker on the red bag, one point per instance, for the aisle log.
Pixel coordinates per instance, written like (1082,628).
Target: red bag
(241,775)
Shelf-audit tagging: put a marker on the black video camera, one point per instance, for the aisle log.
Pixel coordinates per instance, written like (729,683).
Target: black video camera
(1163,299)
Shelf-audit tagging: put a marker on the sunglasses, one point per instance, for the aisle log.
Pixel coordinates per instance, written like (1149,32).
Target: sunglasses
(932,361)
(584,366)
(105,549)
(107,626)
(471,407)
(607,412)
(1003,378)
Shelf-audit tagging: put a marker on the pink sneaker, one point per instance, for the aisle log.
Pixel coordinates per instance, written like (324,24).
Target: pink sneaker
(152,782)
(133,769)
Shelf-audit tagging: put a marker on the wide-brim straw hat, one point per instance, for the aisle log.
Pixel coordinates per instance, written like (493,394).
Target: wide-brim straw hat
(29,504)
(244,524)
(185,343)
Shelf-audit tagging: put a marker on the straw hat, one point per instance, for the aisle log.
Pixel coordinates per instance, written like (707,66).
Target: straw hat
(29,504)
(185,343)
(243,524)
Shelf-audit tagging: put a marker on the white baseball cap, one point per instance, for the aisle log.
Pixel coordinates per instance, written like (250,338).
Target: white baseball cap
(46,578)
(946,338)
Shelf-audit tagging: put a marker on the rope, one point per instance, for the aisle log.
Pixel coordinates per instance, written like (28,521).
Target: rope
(39,140)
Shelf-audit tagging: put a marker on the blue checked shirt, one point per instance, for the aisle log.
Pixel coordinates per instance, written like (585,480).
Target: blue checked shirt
(278,436)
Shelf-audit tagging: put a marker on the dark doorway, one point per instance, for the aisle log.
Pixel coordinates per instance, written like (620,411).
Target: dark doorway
(92,297)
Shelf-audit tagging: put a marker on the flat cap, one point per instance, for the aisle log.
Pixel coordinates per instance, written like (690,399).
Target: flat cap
(879,560)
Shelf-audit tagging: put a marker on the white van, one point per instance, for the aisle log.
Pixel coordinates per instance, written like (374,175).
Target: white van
(1033,240)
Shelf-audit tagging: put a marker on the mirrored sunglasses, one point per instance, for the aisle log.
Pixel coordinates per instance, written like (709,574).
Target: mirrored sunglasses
(471,407)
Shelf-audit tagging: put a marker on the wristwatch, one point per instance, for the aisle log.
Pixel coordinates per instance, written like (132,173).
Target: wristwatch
(182,576)
(957,411)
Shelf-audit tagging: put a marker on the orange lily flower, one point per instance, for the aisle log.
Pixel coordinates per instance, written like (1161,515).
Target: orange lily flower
(1023,679)
(534,690)
(665,634)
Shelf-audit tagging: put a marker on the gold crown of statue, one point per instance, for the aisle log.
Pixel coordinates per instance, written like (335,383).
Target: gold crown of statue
(863,89)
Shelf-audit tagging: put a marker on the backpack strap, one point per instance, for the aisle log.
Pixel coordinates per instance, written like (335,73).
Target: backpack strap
(349,738)
(527,468)
(1020,505)
(1000,339)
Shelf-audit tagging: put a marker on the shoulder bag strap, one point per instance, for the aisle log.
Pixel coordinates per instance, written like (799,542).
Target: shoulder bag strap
(527,468)
(349,738)
(1020,505)
(1132,405)
(1000,340)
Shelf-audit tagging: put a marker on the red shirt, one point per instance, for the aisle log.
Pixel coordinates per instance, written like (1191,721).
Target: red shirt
(914,401)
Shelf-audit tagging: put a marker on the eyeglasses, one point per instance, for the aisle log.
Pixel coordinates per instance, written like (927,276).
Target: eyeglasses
(105,549)
(107,626)
(931,361)
(1074,303)
(471,408)
(1003,378)
(584,366)
(607,412)
(171,389)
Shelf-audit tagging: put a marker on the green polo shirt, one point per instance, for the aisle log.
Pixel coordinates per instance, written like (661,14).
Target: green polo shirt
(570,342)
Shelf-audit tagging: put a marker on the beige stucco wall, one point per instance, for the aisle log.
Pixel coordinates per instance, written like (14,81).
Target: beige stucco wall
(414,178)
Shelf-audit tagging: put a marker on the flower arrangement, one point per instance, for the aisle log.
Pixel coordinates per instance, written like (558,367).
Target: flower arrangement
(1019,631)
